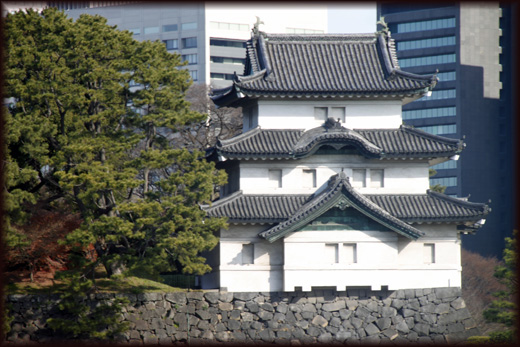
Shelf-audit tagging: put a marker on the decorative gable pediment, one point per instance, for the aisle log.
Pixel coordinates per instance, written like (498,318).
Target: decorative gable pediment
(341,195)
(334,135)
(344,217)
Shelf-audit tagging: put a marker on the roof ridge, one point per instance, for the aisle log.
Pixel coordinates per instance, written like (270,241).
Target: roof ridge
(327,37)
(246,135)
(485,208)
(249,78)
(391,63)
(419,132)
(220,201)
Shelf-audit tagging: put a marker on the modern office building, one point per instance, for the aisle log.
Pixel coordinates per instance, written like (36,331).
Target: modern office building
(211,37)
(471,46)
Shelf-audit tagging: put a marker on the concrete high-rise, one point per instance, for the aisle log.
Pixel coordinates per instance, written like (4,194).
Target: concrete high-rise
(471,46)
(211,37)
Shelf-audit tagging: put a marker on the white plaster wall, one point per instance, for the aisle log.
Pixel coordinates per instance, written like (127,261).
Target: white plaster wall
(265,274)
(383,259)
(400,177)
(252,280)
(375,278)
(298,260)
(299,114)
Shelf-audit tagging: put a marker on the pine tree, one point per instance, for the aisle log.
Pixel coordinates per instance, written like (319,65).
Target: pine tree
(503,308)
(78,131)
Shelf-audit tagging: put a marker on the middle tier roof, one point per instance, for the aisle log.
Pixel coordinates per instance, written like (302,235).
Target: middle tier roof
(404,142)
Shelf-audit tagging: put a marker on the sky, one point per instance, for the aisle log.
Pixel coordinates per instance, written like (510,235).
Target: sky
(352,18)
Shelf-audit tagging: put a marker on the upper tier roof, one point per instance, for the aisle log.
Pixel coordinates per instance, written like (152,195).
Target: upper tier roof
(327,65)
(405,142)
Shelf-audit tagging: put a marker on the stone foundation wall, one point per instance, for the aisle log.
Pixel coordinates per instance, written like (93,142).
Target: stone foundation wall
(416,315)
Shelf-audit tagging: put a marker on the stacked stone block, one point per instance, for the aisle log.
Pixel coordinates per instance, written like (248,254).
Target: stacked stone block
(416,315)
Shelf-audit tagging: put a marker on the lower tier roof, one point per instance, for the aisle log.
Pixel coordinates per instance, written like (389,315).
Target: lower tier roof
(431,207)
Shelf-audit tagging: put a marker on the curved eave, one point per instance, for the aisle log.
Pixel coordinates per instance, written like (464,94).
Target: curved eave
(228,96)
(295,156)
(484,209)
(458,145)
(400,94)
(392,71)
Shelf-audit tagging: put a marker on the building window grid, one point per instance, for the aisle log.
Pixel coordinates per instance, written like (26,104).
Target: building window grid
(450,164)
(426,43)
(227,43)
(171,44)
(439,95)
(229,26)
(189,26)
(428,60)
(426,25)
(221,76)
(169,28)
(227,60)
(447,76)
(430,113)
(189,42)
(190,58)
(194,75)
(440,129)
(151,30)
(444,181)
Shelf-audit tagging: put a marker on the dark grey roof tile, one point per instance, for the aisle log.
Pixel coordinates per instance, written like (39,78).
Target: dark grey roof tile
(411,208)
(404,142)
(325,65)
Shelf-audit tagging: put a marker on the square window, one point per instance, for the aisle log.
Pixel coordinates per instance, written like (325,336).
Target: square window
(275,178)
(331,253)
(248,254)
(151,30)
(189,42)
(194,75)
(429,253)
(169,27)
(338,113)
(320,113)
(350,251)
(376,178)
(171,44)
(309,178)
(359,178)
(189,26)
(190,58)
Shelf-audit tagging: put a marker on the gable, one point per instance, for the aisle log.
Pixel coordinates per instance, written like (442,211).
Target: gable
(339,194)
(346,219)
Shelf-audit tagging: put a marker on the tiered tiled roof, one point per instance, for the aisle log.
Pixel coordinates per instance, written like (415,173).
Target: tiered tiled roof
(405,142)
(323,66)
(289,212)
